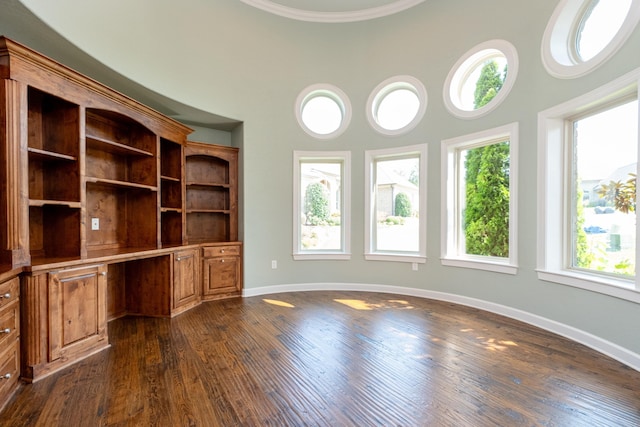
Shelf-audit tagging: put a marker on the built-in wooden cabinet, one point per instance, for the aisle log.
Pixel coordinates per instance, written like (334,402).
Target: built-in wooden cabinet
(171,193)
(53,176)
(77,307)
(186,279)
(211,195)
(222,269)
(105,208)
(64,317)
(9,337)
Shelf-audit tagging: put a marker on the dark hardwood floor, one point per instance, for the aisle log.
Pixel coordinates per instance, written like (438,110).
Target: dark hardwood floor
(333,359)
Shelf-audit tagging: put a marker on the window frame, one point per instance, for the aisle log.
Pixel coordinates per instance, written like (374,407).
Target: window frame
(467,64)
(343,157)
(553,209)
(559,55)
(450,193)
(328,91)
(370,254)
(389,86)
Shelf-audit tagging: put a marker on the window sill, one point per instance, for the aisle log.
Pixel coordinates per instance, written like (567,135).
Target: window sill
(419,259)
(608,286)
(496,267)
(322,257)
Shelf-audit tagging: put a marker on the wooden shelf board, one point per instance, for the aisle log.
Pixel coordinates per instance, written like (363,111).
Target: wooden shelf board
(50,155)
(40,203)
(174,210)
(206,184)
(169,178)
(115,147)
(122,184)
(222,211)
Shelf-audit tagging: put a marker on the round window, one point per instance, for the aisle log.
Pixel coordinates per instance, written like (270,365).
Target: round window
(481,79)
(323,111)
(397,105)
(582,34)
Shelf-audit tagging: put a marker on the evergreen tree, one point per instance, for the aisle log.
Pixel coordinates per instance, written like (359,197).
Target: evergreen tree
(403,205)
(486,216)
(316,204)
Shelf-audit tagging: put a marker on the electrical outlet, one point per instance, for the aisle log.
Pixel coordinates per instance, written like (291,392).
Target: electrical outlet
(414,266)
(274,264)
(95,223)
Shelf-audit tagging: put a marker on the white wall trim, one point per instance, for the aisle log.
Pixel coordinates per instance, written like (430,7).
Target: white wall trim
(332,17)
(599,344)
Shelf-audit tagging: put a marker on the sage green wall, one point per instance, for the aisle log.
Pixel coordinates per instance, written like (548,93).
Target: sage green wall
(227,58)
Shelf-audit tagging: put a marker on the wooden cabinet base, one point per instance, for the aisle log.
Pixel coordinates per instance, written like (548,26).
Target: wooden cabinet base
(64,318)
(9,338)
(222,271)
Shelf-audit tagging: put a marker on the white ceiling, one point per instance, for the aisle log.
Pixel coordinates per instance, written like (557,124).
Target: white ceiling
(333,10)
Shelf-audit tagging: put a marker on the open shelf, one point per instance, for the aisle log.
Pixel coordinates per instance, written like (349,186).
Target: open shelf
(127,214)
(211,193)
(121,184)
(54,198)
(40,203)
(54,231)
(45,155)
(114,147)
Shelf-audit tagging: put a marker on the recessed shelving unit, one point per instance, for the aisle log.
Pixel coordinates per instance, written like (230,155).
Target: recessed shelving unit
(211,193)
(54,177)
(121,183)
(171,193)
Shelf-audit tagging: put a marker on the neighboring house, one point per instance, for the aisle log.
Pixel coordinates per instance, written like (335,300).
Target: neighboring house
(390,184)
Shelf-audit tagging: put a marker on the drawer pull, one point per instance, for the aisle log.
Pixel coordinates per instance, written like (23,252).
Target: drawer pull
(5,376)
(221,251)
(5,296)
(222,260)
(104,273)
(5,331)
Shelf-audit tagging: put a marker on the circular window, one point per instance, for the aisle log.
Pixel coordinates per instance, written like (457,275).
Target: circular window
(481,79)
(323,111)
(582,34)
(397,105)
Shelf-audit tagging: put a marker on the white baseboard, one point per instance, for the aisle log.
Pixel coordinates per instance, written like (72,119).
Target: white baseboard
(601,345)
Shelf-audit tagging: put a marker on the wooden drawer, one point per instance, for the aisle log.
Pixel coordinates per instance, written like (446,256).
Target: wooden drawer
(9,325)
(9,291)
(9,363)
(216,251)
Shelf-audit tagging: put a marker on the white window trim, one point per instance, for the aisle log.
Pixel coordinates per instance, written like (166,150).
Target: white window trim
(552,183)
(369,254)
(345,212)
(557,51)
(330,91)
(449,225)
(462,67)
(389,85)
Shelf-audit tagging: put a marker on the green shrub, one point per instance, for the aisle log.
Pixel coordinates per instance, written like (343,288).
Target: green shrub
(403,205)
(316,204)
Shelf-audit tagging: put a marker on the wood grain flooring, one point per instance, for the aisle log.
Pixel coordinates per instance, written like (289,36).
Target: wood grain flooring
(333,359)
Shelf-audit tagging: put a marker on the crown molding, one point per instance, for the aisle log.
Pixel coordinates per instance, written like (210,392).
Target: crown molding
(332,17)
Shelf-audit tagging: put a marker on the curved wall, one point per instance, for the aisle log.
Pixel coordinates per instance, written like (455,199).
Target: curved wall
(230,59)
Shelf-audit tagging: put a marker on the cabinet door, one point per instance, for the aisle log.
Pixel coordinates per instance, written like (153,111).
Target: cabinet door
(77,310)
(222,276)
(185,278)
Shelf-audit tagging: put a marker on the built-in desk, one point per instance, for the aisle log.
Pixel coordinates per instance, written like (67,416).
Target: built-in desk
(67,305)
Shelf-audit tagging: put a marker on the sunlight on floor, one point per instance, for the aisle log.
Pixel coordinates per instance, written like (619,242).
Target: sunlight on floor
(358,304)
(492,343)
(278,303)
